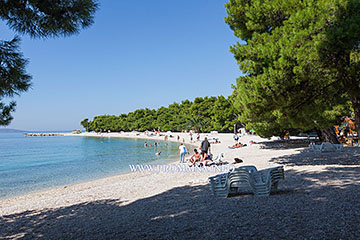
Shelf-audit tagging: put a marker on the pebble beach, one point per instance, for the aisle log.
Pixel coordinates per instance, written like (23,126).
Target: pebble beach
(319,199)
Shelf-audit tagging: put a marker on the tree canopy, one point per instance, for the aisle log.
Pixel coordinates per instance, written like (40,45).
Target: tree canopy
(299,60)
(38,19)
(202,115)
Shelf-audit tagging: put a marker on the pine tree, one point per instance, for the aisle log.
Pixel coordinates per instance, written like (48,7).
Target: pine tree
(292,56)
(38,19)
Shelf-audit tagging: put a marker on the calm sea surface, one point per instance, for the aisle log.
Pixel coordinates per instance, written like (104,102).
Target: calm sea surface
(34,163)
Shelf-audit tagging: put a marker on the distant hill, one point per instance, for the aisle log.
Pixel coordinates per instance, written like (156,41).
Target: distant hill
(10,130)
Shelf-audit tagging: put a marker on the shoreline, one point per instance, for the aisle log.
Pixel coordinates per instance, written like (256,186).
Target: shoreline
(317,189)
(81,185)
(127,135)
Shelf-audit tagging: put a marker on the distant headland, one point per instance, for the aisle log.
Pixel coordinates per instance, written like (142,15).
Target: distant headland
(10,130)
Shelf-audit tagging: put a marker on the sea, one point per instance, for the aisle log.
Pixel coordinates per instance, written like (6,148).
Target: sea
(29,164)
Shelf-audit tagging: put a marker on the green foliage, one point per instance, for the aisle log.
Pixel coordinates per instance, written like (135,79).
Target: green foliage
(204,114)
(294,62)
(48,18)
(85,124)
(13,77)
(40,19)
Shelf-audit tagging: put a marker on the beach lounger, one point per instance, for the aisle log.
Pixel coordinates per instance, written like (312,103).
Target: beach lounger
(261,183)
(315,148)
(240,179)
(326,147)
(265,181)
(219,185)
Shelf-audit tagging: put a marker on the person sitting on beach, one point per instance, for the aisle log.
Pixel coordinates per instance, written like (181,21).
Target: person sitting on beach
(204,162)
(195,158)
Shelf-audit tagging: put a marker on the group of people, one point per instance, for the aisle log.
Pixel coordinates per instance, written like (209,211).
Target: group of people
(201,156)
(149,144)
(197,137)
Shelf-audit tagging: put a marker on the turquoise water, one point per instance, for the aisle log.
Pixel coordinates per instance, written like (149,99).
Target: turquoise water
(33,163)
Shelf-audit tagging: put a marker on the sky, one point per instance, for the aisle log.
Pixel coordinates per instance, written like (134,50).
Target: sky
(144,55)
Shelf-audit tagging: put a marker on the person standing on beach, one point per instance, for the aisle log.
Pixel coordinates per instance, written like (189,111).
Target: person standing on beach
(182,151)
(205,148)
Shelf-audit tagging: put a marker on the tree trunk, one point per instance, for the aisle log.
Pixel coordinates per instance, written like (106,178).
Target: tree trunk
(320,135)
(328,135)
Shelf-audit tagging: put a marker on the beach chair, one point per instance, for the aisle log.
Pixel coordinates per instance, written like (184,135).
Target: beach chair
(219,185)
(315,148)
(277,174)
(266,181)
(261,183)
(223,184)
(240,179)
(328,147)
(337,147)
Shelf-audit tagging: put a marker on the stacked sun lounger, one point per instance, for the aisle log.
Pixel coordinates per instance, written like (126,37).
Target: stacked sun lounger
(326,147)
(219,185)
(261,183)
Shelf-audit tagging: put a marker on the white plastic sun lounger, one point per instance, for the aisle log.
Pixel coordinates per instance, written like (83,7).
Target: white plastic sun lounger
(261,183)
(327,147)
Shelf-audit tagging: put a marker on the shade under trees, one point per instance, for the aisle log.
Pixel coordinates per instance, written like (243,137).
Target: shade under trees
(300,61)
(38,19)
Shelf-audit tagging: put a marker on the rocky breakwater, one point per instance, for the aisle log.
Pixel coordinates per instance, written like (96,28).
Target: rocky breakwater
(43,134)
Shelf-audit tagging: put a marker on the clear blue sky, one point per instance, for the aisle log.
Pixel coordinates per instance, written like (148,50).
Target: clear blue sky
(136,55)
